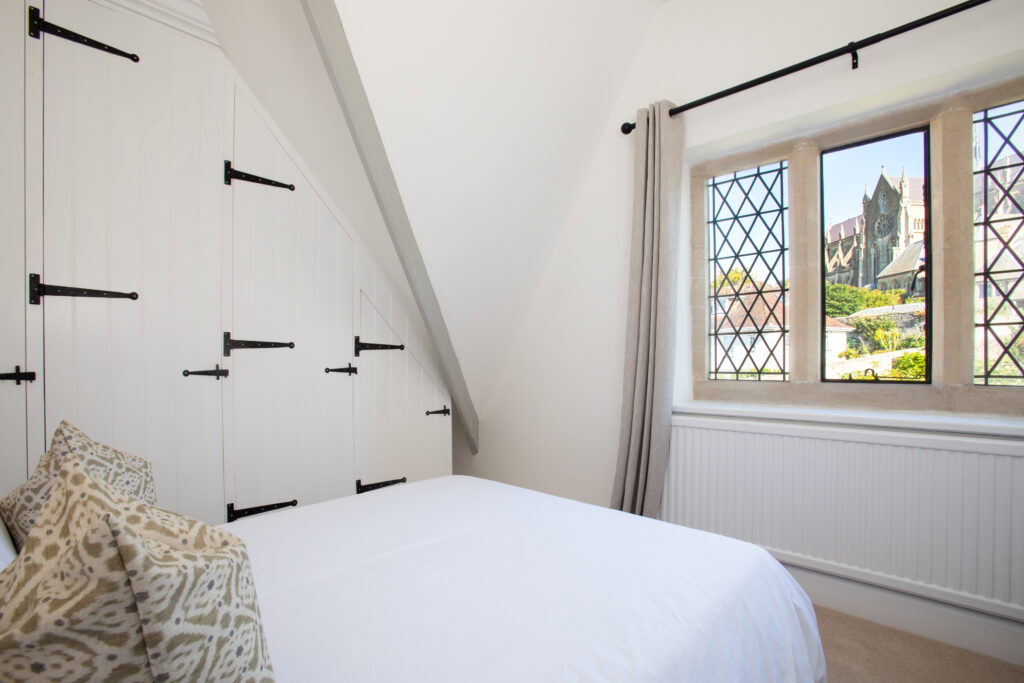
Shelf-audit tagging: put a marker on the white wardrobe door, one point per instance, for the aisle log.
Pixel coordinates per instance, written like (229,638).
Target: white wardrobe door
(395,437)
(13,445)
(133,200)
(291,282)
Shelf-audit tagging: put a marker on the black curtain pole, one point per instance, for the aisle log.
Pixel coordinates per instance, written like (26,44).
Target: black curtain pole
(849,49)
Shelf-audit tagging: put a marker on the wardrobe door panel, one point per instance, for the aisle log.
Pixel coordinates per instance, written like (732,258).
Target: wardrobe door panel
(395,437)
(13,278)
(133,156)
(291,282)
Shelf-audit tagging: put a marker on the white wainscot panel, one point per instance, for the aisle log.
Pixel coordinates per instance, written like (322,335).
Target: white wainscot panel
(936,515)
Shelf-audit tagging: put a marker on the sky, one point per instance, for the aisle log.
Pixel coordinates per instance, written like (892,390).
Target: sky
(847,171)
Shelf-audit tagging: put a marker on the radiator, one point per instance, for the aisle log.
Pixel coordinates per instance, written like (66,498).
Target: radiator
(932,514)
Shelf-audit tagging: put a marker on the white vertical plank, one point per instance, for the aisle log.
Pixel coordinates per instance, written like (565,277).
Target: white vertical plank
(132,203)
(1016,517)
(292,279)
(13,276)
(34,346)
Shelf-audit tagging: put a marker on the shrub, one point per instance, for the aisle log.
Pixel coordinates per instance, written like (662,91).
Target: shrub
(882,297)
(909,366)
(867,328)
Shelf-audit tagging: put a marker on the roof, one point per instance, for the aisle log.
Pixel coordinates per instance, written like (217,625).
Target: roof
(916,186)
(845,228)
(906,262)
(886,310)
(752,312)
(834,324)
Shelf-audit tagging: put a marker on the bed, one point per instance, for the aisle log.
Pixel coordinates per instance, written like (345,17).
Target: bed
(463,579)
(450,579)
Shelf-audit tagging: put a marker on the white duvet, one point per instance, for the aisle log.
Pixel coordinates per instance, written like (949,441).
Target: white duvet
(462,579)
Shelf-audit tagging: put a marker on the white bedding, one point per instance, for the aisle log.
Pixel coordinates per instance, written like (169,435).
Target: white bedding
(462,579)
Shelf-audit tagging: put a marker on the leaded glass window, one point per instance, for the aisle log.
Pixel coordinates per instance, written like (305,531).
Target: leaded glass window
(999,245)
(747,274)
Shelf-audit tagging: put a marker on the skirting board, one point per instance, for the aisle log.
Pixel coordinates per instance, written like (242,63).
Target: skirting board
(971,630)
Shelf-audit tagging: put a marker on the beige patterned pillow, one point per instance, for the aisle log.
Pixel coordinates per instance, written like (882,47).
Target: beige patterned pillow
(123,471)
(100,586)
(199,613)
(128,473)
(66,608)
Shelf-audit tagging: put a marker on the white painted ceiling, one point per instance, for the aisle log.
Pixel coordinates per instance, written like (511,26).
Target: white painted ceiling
(490,114)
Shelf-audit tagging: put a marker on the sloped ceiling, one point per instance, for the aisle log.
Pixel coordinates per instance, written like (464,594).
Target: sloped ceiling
(490,114)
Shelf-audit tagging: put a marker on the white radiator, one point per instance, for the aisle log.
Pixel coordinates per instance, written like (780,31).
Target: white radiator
(933,514)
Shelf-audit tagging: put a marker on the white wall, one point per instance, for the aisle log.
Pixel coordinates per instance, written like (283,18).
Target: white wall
(490,113)
(553,420)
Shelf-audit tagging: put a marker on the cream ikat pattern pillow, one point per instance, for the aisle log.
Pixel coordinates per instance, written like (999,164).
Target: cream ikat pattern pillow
(110,588)
(128,473)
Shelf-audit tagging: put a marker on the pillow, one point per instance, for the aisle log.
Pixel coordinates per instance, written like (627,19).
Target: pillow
(128,473)
(109,587)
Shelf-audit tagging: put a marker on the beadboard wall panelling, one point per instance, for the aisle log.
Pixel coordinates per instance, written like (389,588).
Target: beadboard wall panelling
(935,515)
(292,282)
(13,442)
(132,161)
(120,186)
(398,312)
(392,389)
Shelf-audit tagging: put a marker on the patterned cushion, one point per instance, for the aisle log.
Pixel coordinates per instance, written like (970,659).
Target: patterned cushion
(108,587)
(199,613)
(128,473)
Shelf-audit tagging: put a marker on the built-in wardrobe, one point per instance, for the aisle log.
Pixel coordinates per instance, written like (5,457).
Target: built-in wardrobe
(223,348)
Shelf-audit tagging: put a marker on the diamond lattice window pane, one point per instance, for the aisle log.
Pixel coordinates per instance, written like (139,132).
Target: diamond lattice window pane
(747,275)
(999,245)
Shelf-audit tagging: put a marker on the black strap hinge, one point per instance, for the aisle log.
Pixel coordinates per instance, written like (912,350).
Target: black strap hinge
(363,488)
(231,344)
(37,290)
(369,346)
(234,514)
(216,372)
(38,26)
(349,370)
(443,411)
(18,376)
(234,174)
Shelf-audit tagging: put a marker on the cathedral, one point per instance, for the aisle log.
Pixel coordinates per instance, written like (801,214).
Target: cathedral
(883,247)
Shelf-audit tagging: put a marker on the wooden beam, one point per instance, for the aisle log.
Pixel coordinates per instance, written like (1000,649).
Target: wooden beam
(325,23)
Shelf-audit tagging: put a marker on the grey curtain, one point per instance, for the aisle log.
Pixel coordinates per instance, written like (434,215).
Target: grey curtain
(650,322)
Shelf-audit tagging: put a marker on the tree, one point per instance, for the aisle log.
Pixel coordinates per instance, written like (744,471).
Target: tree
(843,300)
(736,278)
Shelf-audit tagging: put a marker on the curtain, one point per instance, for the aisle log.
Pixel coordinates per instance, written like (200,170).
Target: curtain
(651,314)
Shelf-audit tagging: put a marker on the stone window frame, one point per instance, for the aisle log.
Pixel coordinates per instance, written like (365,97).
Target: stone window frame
(951,269)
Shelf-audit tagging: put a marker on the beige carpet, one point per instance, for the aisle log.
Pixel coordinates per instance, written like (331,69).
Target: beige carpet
(859,650)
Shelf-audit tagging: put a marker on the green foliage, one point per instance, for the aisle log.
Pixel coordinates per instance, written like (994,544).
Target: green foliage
(867,328)
(882,297)
(851,353)
(911,341)
(887,339)
(909,366)
(737,278)
(843,300)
